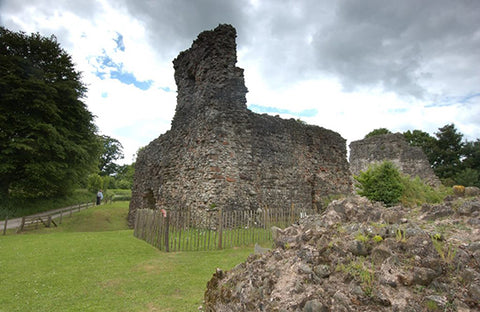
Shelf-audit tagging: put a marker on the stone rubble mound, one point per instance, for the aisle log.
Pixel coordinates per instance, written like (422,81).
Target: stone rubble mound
(362,256)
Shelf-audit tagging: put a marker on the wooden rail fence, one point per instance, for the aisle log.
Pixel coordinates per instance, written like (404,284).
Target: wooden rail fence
(47,219)
(186,231)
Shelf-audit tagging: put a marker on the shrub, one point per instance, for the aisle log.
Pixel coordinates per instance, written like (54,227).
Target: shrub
(381,182)
(416,192)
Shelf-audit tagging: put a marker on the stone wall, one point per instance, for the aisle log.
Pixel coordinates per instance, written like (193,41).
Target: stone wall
(409,159)
(220,154)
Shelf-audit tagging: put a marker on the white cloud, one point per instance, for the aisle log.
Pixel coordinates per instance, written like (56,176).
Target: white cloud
(360,65)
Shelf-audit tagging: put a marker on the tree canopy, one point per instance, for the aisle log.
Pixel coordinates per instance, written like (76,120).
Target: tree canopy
(378,131)
(112,150)
(425,141)
(453,160)
(47,136)
(449,150)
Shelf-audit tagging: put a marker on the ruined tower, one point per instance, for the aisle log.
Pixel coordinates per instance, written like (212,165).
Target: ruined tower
(410,160)
(220,154)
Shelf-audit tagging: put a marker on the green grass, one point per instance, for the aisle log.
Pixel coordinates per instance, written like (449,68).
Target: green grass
(78,267)
(108,217)
(19,207)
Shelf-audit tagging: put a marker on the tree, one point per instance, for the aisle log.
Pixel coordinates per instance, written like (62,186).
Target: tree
(425,141)
(124,176)
(378,131)
(467,177)
(471,154)
(112,150)
(448,150)
(47,136)
(470,174)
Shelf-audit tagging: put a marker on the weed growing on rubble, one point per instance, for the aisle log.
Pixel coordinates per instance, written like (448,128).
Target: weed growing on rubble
(377,239)
(400,236)
(361,238)
(445,250)
(361,271)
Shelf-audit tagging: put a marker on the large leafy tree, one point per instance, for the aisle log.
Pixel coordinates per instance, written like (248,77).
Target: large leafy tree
(47,136)
(112,150)
(449,149)
(470,174)
(453,160)
(424,140)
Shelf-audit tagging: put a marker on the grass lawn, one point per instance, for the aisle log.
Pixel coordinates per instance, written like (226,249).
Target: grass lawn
(109,217)
(77,267)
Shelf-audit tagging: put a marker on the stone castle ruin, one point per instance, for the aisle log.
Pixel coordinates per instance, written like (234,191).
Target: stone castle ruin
(220,154)
(410,160)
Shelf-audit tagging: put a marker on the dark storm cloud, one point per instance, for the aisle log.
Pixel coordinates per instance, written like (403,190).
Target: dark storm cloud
(424,49)
(391,44)
(173,24)
(412,48)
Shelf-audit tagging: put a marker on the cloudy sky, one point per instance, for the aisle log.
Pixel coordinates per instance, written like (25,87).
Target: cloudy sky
(349,66)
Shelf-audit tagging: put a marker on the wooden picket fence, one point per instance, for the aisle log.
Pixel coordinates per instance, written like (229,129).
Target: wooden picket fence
(211,230)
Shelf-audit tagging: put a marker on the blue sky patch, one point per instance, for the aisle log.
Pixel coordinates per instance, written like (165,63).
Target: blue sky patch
(274,110)
(129,78)
(106,61)
(107,65)
(119,42)
(398,110)
(467,98)
(453,100)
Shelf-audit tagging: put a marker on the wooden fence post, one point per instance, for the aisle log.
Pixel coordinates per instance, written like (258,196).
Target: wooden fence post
(22,224)
(5,225)
(220,228)
(167,225)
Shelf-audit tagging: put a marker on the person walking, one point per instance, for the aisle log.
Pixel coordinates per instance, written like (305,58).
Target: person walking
(99,197)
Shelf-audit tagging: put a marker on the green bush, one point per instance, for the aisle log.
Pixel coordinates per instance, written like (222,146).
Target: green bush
(381,182)
(416,192)
(124,184)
